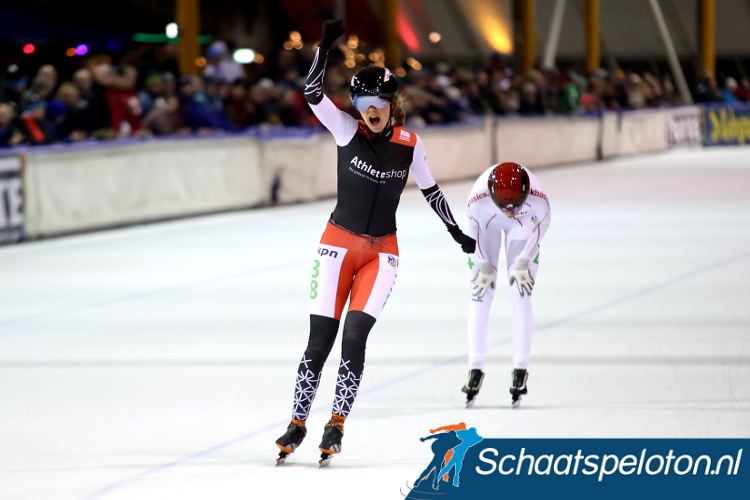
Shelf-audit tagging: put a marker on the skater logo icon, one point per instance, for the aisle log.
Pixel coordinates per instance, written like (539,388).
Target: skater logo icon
(393,261)
(449,447)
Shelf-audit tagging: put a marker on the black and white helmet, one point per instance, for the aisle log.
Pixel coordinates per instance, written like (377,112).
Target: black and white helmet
(372,86)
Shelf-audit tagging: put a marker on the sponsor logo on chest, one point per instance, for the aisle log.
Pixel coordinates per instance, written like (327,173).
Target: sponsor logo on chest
(364,169)
(477,197)
(539,194)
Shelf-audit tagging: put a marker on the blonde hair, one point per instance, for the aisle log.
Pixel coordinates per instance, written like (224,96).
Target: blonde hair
(398,114)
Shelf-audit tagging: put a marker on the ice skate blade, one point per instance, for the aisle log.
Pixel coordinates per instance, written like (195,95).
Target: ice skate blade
(325,460)
(470,403)
(516,404)
(282,459)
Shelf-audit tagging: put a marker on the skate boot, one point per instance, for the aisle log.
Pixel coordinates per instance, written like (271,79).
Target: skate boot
(518,386)
(331,443)
(289,442)
(476,376)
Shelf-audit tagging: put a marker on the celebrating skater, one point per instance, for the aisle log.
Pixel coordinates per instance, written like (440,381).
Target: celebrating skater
(357,258)
(506,203)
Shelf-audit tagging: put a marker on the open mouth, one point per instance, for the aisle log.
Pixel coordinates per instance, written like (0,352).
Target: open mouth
(374,121)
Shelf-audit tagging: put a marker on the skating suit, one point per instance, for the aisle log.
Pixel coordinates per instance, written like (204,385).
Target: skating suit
(357,258)
(521,237)
(360,239)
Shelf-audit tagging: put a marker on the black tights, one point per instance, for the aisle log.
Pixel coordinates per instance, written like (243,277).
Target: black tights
(323,330)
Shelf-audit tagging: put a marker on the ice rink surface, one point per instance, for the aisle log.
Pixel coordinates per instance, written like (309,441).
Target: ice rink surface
(158,362)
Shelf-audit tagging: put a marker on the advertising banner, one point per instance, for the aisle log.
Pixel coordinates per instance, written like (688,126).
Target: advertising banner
(467,465)
(726,125)
(684,127)
(11,200)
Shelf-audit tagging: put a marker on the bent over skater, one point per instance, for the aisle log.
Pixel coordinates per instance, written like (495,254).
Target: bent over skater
(357,258)
(507,208)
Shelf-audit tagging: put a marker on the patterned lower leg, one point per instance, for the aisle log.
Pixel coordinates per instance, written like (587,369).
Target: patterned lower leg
(347,386)
(322,336)
(305,389)
(357,327)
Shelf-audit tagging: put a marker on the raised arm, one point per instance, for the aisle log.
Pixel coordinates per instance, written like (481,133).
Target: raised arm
(340,124)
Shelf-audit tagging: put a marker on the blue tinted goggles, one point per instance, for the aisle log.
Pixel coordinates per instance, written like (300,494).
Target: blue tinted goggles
(363,102)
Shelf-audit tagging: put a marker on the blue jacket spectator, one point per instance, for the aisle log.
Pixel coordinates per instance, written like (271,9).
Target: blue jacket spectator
(199,112)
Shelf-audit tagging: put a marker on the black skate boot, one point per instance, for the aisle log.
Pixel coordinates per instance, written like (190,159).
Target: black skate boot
(518,386)
(331,442)
(476,376)
(289,442)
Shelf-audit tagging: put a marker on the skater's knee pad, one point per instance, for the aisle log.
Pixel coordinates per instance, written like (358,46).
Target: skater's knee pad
(357,327)
(322,336)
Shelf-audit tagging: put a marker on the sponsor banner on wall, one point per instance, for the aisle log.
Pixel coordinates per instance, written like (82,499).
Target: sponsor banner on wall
(11,200)
(726,125)
(468,465)
(684,127)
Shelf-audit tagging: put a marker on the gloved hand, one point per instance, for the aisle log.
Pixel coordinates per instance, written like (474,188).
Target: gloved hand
(331,31)
(521,276)
(468,245)
(483,281)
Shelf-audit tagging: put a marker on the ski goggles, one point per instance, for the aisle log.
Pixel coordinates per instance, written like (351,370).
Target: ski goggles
(363,102)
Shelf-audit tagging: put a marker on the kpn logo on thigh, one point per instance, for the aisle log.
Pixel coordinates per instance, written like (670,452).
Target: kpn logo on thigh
(465,465)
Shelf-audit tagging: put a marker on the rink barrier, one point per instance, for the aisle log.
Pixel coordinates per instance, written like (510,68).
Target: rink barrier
(83,187)
(541,142)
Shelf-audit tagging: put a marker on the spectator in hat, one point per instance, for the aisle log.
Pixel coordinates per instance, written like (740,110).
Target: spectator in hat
(154,89)
(221,66)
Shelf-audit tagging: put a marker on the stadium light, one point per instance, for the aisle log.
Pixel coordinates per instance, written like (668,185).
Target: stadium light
(172,31)
(244,56)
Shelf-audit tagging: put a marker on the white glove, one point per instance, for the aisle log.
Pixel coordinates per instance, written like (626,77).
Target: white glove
(521,276)
(483,281)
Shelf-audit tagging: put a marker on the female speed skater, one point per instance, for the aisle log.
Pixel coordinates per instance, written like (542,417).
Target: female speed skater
(357,258)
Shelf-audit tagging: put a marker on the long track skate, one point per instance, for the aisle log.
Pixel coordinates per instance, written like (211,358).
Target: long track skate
(330,445)
(290,441)
(472,386)
(518,388)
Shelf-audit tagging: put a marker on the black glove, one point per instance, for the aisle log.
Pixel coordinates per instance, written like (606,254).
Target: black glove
(468,245)
(331,31)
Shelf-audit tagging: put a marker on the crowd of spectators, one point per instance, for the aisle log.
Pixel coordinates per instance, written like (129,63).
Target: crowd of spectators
(103,100)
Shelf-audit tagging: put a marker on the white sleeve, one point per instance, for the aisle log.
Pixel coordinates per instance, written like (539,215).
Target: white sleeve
(541,208)
(419,168)
(342,125)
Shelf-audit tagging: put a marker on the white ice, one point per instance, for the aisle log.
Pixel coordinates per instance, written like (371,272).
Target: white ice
(158,362)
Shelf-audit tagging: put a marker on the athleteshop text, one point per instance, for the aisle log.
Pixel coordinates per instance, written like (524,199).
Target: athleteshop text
(377,174)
